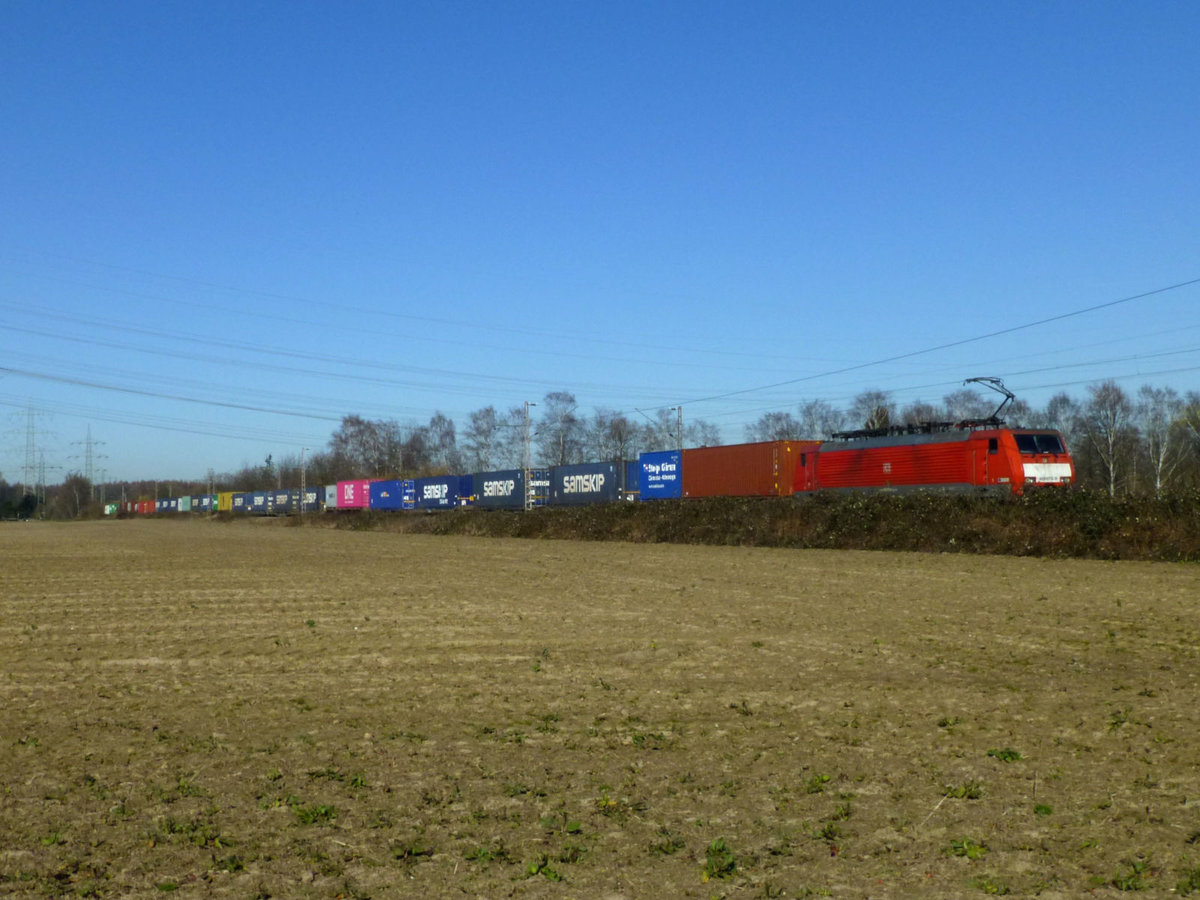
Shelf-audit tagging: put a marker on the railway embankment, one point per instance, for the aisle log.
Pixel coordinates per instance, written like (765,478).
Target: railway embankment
(1063,524)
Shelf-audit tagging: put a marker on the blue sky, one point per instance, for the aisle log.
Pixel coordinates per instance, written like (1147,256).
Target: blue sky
(225,225)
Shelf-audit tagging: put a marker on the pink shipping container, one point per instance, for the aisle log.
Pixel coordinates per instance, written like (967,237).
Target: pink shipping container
(353,494)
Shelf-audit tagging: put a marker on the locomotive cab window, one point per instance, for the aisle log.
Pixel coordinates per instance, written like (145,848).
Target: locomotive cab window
(993,445)
(1038,443)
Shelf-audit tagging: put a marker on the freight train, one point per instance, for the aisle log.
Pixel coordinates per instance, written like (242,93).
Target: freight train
(972,456)
(1001,461)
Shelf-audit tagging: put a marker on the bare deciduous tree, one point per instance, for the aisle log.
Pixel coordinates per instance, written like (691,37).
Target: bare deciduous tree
(775,426)
(560,429)
(1159,417)
(1105,421)
(874,409)
(819,419)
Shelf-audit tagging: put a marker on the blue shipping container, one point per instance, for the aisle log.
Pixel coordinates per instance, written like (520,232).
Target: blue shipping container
(258,502)
(500,490)
(386,494)
(539,486)
(586,483)
(661,475)
(440,492)
(313,499)
(633,479)
(281,503)
(241,502)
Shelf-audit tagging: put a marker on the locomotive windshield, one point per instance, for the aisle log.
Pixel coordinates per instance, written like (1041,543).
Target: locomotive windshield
(1045,442)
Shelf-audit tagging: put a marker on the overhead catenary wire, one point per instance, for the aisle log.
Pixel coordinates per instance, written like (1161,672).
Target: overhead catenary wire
(946,346)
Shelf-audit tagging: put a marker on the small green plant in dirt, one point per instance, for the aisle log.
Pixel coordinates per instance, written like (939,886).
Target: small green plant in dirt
(1043,810)
(829,832)
(990,885)
(1006,754)
(1189,883)
(967,847)
(816,784)
(616,808)
(541,866)
(948,721)
(968,790)
(411,849)
(571,852)
(495,853)
(231,863)
(320,814)
(1133,876)
(560,824)
(1118,718)
(719,861)
(329,772)
(188,788)
(666,842)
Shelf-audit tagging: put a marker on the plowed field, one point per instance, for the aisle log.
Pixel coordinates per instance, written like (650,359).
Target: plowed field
(248,710)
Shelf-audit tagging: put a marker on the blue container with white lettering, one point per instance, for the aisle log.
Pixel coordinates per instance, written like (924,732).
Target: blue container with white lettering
(661,475)
(440,492)
(258,502)
(633,479)
(313,499)
(387,494)
(500,490)
(539,487)
(586,483)
(241,502)
(281,503)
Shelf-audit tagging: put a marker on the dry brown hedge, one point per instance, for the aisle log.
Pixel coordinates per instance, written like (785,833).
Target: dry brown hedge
(1078,524)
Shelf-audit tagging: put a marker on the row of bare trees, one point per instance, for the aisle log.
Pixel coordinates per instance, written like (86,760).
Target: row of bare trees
(1147,442)
(557,432)
(1142,443)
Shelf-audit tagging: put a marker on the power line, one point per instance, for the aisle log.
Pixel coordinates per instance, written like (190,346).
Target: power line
(80,382)
(390,314)
(946,346)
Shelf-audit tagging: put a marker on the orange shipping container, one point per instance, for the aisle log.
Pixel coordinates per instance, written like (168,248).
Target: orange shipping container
(765,469)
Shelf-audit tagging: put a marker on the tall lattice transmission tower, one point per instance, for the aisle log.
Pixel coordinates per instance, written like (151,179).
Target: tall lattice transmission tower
(89,458)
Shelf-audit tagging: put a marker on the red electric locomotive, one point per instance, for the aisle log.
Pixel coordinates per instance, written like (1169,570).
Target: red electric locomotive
(973,455)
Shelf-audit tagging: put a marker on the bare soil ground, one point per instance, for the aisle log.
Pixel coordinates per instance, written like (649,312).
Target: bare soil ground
(245,710)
